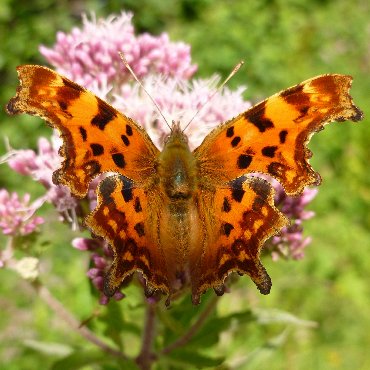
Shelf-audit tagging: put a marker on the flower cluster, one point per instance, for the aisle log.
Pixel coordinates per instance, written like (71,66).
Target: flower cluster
(90,57)
(179,100)
(291,243)
(40,166)
(17,215)
(101,257)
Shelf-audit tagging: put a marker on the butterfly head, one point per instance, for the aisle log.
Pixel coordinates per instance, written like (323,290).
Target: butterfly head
(176,138)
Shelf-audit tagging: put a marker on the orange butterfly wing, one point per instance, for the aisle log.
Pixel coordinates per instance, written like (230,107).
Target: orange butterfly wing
(239,218)
(271,137)
(128,218)
(239,215)
(96,137)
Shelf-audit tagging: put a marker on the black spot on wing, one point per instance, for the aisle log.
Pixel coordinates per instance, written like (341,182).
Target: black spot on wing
(125,140)
(256,116)
(139,228)
(106,188)
(244,160)
(237,191)
(226,207)
(97,149)
(105,114)
(235,141)
(282,136)
(230,131)
(119,160)
(137,205)
(129,130)
(127,189)
(226,228)
(83,133)
(269,151)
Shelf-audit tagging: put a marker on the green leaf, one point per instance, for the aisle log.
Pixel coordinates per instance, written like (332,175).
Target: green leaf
(196,359)
(79,359)
(122,365)
(269,316)
(178,318)
(209,334)
(113,322)
(260,357)
(82,358)
(48,348)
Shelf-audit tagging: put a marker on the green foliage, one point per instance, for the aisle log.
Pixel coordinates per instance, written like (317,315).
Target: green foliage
(79,359)
(282,43)
(188,359)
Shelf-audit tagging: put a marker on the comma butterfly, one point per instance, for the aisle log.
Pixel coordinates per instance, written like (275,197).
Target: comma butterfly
(178,213)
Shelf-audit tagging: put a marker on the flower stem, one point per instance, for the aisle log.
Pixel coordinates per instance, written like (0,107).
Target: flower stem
(146,356)
(185,338)
(68,317)
(6,256)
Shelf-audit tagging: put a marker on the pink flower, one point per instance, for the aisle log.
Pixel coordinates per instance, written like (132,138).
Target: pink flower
(17,215)
(22,161)
(90,55)
(290,243)
(40,167)
(100,260)
(179,100)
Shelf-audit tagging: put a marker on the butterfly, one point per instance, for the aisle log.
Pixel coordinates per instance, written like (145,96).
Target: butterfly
(176,214)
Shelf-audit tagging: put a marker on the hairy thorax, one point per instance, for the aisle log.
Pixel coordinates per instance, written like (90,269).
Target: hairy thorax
(179,232)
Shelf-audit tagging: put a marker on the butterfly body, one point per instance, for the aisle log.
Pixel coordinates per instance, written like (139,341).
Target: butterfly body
(179,216)
(179,232)
(176,167)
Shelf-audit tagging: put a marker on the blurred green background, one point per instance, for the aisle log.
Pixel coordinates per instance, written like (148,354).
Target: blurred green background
(282,43)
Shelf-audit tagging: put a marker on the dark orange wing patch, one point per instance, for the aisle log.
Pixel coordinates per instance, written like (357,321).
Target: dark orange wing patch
(238,218)
(96,137)
(271,137)
(125,217)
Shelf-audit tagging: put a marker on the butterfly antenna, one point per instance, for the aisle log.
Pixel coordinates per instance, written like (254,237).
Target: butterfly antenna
(232,73)
(125,62)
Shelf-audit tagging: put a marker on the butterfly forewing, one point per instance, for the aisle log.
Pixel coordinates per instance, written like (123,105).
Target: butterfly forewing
(271,137)
(96,137)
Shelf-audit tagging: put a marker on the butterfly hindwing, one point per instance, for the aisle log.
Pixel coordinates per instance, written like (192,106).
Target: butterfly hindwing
(96,137)
(127,219)
(271,137)
(238,219)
